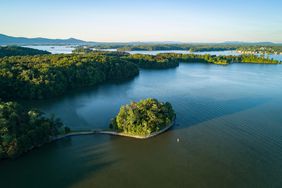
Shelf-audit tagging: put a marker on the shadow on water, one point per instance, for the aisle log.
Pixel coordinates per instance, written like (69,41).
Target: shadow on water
(80,92)
(67,107)
(60,164)
(208,154)
(207,109)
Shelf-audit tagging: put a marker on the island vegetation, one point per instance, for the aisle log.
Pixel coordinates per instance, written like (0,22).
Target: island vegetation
(143,118)
(82,50)
(258,48)
(274,49)
(22,129)
(187,47)
(170,60)
(167,47)
(213,59)
(6,51)
(39,76)
(45,76)
(152,61)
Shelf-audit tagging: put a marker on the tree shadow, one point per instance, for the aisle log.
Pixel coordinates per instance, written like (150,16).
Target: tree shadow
(73,93)
(59,164)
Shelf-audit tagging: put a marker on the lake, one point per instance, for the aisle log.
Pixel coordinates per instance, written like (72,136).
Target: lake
(228,125)
(69,49)
(54,49)
(217,53)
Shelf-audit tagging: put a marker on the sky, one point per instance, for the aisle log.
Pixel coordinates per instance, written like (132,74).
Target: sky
(146,20)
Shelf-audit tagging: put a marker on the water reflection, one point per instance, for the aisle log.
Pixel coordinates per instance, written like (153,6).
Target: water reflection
(229,131)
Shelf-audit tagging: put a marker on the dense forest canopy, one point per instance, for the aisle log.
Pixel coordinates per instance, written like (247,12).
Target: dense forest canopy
(45,76)
(188,47)
(19,51)
(170,60)
(197,47)
(152,61)
(37,77)
(143,118)
(261,49)
(22,129)
(32,74)
(86,50)
(206,58)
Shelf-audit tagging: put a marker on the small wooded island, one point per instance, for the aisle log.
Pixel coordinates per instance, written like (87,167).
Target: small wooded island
(23,129)
(143,119)
(34,74)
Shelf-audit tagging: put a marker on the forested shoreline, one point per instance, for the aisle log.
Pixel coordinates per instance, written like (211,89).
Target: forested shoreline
(22,129)
(170,60)
(37,75)
(46,76)
(213,59)
(6,51)
(188,47)
(260,49)
(256,48)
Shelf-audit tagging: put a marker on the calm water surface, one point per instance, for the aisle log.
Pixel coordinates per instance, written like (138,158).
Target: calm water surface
(69,49)
(54,49)
(222,53)
(228,121)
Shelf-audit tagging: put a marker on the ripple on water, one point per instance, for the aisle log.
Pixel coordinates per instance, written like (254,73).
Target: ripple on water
(229,131)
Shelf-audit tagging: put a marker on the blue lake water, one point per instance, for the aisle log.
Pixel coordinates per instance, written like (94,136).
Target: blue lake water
(54,49)
(69,49)
(229,127)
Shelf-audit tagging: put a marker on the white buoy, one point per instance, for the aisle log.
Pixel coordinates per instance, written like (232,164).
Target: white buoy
(178,140)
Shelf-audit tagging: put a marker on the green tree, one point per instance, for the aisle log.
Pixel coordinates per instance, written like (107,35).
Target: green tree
(22,129)
(143,117)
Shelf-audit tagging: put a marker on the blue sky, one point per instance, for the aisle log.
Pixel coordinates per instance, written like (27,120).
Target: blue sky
(124,20)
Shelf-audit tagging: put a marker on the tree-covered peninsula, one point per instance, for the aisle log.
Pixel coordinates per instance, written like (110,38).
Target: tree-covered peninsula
(259,49)
(152,61)
(6,51)
(22,129)
(45,76)
(171,60)
(213,59)
(143,118)
(38,76)
(188,47)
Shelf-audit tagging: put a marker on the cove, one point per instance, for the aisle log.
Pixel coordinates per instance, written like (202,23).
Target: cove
(228,125)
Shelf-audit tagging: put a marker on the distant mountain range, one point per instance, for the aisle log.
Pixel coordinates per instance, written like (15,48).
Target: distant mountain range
(250,43)
(9,40)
